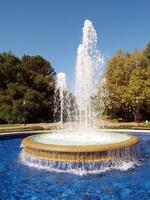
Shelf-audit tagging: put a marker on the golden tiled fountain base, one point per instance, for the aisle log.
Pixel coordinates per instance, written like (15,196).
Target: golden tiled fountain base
(78,154)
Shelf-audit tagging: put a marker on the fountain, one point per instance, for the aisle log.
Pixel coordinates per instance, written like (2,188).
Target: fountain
(85,149)
(61,88)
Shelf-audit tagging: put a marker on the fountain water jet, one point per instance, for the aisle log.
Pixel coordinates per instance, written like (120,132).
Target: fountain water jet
(88,60)
(61,88)
(90,152)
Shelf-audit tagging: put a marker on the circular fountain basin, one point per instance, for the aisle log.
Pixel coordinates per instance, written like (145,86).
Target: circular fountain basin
(79,147)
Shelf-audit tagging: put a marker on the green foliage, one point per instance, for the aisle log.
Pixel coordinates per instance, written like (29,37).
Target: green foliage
(30,80)
(126,92)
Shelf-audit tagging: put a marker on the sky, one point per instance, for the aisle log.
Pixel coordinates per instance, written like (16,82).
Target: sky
(53,28)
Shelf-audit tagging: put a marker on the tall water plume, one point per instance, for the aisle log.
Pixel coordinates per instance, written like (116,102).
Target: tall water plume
(61,88)
(88,61)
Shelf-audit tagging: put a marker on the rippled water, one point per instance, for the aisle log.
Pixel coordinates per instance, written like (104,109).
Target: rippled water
(19,182)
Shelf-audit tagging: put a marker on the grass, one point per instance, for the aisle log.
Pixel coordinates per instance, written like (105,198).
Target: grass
(20,129)
(9,125)
(143,126)
(4,128)
(147,124)
(119,127)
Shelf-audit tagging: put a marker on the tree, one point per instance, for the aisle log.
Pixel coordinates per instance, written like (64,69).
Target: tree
(30,79)
(127,86)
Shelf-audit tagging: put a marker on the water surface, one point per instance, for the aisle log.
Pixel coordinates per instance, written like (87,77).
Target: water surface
(20,182)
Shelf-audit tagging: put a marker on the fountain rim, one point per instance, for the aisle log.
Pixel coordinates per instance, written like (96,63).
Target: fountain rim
(29,143)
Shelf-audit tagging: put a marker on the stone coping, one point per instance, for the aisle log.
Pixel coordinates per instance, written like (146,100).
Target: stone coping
(29,143)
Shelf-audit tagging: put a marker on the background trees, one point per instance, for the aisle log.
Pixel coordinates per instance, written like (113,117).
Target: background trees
(26,89)
(125,93)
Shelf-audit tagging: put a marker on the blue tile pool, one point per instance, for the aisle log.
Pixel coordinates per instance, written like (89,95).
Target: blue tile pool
(19,182)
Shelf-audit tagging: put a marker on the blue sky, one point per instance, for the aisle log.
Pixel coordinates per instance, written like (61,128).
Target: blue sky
(52,28)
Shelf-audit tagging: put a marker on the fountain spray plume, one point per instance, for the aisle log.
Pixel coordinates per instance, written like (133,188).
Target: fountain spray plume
(88,61)
(61,87)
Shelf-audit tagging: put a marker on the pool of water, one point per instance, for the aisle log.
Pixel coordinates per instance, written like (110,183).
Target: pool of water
(76,138)
(20,182)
